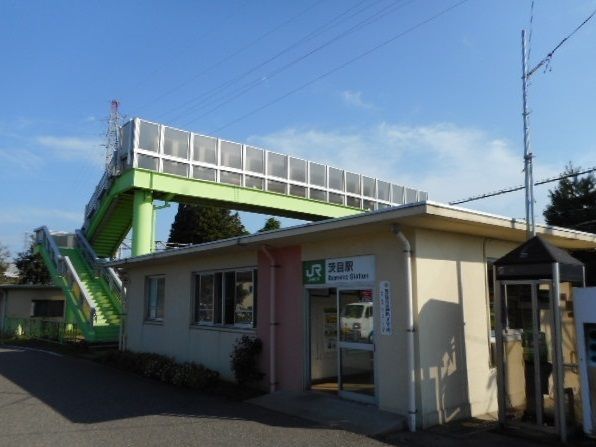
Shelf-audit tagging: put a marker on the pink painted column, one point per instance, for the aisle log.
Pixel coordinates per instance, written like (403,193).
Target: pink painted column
(289,296)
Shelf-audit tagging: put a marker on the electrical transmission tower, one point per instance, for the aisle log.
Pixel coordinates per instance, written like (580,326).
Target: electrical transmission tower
(113,138)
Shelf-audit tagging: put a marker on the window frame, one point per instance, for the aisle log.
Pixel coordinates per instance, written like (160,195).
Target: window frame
(223,296)
(490,311)
(156,319)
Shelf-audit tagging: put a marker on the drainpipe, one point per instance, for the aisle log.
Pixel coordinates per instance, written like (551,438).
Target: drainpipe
(410,329)
(272,321)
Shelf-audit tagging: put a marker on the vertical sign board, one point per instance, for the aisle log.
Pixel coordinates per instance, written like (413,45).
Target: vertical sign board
(385,307)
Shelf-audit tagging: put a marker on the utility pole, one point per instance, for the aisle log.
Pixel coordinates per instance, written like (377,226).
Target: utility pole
(528,156)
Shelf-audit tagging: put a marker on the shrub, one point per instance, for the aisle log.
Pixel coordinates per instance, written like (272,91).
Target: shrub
(244,360)
(163,368)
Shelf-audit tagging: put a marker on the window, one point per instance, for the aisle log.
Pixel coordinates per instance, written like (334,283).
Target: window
(226,298)
(155,293)
(47,308)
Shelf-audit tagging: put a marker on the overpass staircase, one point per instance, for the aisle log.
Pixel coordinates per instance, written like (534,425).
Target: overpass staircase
(94,293)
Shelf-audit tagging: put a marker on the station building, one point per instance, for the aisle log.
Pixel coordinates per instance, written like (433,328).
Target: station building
(392,307)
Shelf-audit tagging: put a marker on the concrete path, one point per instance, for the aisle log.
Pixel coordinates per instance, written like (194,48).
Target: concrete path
(333,412)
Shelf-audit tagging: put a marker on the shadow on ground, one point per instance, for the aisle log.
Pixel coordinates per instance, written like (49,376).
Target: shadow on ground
(85,392)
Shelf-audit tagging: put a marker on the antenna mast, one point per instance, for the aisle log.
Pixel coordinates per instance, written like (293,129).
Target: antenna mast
(113,137)
(528,156)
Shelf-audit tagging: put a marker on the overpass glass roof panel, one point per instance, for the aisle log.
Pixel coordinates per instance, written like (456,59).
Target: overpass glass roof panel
(175,142)
(411,195)
(147,162)
(274,186)
(352,183)
(318,194)
(353,201)
(255,161)
(297,170)
(368,187)
(175,167)
(149,136)
(231,178)
(125,136)
(277,165)
(336,179)
(384,191)
(318,174)
(254,182)
(205,149)
(336,198)
(397,194)
(297,190)
(203,173)
(231,155)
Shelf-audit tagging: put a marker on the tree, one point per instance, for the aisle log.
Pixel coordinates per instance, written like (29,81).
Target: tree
(197,224)
(573,205)
(573,202)
(32,269)
(4,262)
(271,224)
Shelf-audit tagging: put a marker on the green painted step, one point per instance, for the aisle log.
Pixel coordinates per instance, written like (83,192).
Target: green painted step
(113,227)
(107,306)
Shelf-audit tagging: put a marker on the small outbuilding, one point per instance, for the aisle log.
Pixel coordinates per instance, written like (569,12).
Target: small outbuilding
(538,380)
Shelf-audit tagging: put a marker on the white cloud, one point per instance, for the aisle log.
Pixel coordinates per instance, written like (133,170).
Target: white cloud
(22,159)
(75,148)
(354,99)
(448,161)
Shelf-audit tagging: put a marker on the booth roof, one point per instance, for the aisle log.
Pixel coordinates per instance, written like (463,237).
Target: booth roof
(534,259)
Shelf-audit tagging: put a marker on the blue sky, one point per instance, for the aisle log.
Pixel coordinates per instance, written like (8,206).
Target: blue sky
(438,108)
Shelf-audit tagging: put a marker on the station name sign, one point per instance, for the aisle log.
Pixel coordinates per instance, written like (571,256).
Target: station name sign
(356,269)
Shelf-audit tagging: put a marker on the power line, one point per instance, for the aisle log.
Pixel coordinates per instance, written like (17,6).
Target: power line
(188,105)
(345,64)
(231,55)
(255,83)
(520,187)
(549,56)
(202,36)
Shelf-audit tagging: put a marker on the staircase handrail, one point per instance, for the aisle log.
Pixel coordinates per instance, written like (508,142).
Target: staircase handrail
(84,300)
(107,273)
(44,237)
(93,201)
(66,269)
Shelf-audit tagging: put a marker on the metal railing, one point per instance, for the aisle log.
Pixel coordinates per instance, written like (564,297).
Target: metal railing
(42,329)
(65,268)
(107,273)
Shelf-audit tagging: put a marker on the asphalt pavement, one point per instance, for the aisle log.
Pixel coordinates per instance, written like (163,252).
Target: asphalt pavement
(47,399)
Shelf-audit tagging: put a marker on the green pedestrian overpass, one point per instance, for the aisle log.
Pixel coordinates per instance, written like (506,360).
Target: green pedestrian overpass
(158,162)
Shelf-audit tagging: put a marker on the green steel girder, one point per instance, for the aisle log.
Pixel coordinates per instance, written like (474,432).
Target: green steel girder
(184,190)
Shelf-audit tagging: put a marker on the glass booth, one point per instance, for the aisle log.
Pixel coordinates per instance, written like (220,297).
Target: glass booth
(534,350)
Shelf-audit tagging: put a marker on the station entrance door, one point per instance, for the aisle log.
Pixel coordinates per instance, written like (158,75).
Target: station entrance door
(341,345)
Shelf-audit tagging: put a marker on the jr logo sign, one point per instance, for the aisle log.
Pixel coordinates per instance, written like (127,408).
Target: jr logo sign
(313,272)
